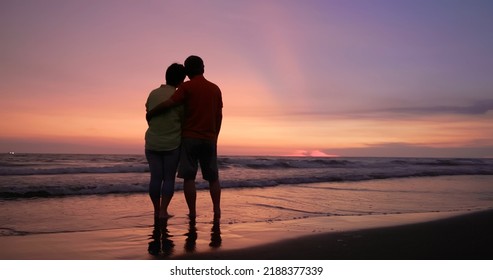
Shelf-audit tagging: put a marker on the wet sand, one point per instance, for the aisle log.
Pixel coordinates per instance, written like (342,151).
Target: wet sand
(411,218)
(464,237)
(417,236)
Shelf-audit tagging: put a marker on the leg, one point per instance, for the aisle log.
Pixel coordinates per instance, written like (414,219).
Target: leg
(215,191)
(156,206)
(156,170)
(163,209)
(170,165)
(210,172)
(188,170)
(190,196)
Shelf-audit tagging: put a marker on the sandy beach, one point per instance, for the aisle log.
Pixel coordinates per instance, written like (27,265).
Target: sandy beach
(463,237)
(385,237)
(447,217)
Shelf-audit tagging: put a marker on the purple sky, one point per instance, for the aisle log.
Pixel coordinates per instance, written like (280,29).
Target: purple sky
(350,78)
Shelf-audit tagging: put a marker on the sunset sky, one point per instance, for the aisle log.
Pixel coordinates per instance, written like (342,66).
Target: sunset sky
(347,78)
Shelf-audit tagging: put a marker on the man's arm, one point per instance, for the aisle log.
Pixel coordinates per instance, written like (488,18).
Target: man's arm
(219,115)
(219,122)
(159,109)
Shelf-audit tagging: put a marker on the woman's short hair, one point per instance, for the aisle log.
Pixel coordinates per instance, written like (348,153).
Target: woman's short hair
(175,74)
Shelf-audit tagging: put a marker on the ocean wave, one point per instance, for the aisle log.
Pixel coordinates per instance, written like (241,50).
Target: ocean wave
(142,187)
(137,164)
(27,170)
(12,232)
(61,175)
(292,163)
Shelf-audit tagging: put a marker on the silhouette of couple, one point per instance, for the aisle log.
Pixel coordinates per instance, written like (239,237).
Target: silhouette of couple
(184,120)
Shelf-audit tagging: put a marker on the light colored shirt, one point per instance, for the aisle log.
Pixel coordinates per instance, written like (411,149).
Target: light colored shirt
(164,131)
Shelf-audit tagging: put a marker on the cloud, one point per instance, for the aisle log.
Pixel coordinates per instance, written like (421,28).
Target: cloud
(402,149)
(477,108)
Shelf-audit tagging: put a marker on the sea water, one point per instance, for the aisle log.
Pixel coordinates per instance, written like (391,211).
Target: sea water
(52,193)
(50,175)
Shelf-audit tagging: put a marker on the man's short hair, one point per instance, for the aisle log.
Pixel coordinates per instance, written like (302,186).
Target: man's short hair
(194,65)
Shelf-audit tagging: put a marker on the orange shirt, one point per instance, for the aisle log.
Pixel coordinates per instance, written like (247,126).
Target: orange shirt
(203,105)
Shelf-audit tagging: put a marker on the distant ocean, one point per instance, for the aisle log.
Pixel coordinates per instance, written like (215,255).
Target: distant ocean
(50,175)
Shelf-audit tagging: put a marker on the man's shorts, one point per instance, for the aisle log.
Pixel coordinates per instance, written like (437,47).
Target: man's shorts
(195,151)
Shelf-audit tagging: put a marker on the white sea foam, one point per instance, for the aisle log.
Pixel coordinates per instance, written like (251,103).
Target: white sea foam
(33,175)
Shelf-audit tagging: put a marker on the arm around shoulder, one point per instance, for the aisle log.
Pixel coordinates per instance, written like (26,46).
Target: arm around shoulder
(159,109)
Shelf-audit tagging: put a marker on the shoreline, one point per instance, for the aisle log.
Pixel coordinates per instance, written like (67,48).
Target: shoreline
(435,235)
(309,221)
(461,237)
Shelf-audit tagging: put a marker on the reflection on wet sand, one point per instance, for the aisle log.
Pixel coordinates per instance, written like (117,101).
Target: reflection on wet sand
(162,243)
(191,240)
(216,239)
